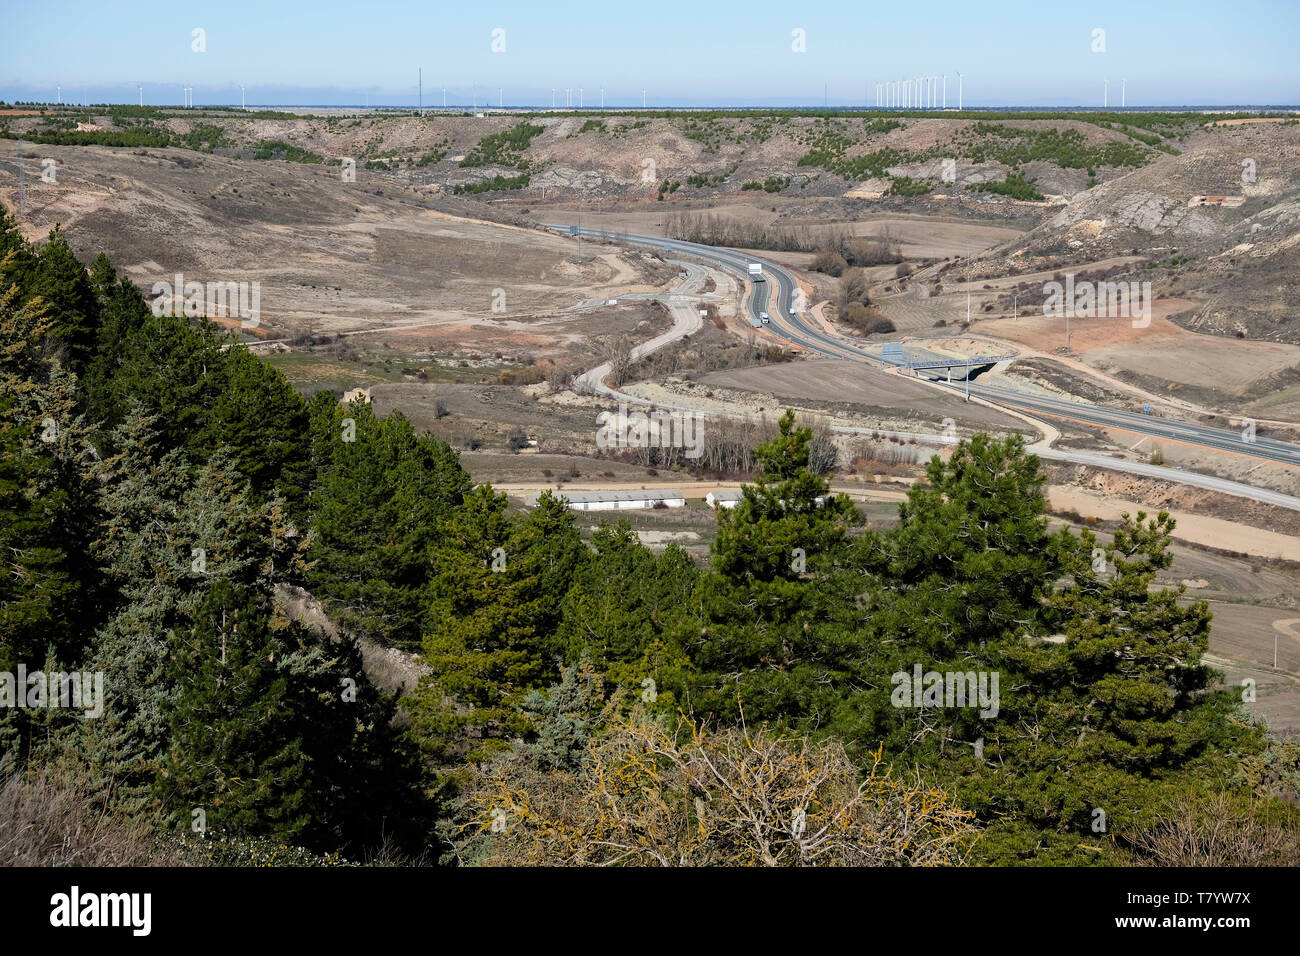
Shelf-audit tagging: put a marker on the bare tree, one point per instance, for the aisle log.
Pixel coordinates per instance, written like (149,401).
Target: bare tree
(738,797)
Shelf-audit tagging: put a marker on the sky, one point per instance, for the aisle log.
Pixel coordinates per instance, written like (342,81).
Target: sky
(343,52)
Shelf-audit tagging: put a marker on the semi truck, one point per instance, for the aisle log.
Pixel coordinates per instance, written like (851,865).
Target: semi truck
(756,271)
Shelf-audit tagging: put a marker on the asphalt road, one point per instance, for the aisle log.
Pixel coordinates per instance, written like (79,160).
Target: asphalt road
(781,285)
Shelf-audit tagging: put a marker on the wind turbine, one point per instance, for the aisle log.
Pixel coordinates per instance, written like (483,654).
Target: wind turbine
(945,91)
(141,89)
(580,97)
(1105,93)
(1123,93)
(959,90)
(59,90)
(643,99)
(241,96)
(602,97)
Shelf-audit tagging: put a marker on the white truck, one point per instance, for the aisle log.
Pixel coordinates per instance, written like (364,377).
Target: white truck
(756,271)
(764,318)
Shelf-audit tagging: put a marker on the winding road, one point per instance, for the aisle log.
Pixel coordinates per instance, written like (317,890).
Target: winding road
(794,327)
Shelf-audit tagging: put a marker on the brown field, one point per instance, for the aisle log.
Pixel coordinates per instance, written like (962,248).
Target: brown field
(856,384)
(920,237)
(330,256)
(1162,351)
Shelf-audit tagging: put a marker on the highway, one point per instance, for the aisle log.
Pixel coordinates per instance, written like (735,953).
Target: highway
(797,331)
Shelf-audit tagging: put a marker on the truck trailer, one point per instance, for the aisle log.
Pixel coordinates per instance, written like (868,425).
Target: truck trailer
(756,271)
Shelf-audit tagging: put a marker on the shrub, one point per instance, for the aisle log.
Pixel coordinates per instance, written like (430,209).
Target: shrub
(830,263)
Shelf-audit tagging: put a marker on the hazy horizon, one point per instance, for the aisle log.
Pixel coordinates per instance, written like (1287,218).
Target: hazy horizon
(754,54)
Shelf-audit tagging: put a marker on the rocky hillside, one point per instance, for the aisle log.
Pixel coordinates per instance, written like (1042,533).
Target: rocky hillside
(1218,224)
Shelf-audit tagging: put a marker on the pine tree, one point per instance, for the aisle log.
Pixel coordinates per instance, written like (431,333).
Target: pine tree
(623,607)
(376,516)
(232,752)
(61,281)
(263,421)
(481,641)
(769,636)
(17,257)
(123,313)
(1119,695)
(48,584)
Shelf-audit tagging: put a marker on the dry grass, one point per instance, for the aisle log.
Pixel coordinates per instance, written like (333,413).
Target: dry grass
(43,823)
(1216,831)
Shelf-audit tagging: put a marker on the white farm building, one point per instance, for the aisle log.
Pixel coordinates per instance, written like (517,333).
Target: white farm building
(620,500)
(723,499)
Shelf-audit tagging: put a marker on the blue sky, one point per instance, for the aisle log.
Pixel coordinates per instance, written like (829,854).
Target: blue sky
(683,53)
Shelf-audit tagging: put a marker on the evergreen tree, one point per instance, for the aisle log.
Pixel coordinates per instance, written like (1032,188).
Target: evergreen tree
(17,257)
(61,281)
(376,516)
(263,421)
(622,609)
(123,313)
(481,641)
(232,750)
(48,582)
(1117,693)
(769,634)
